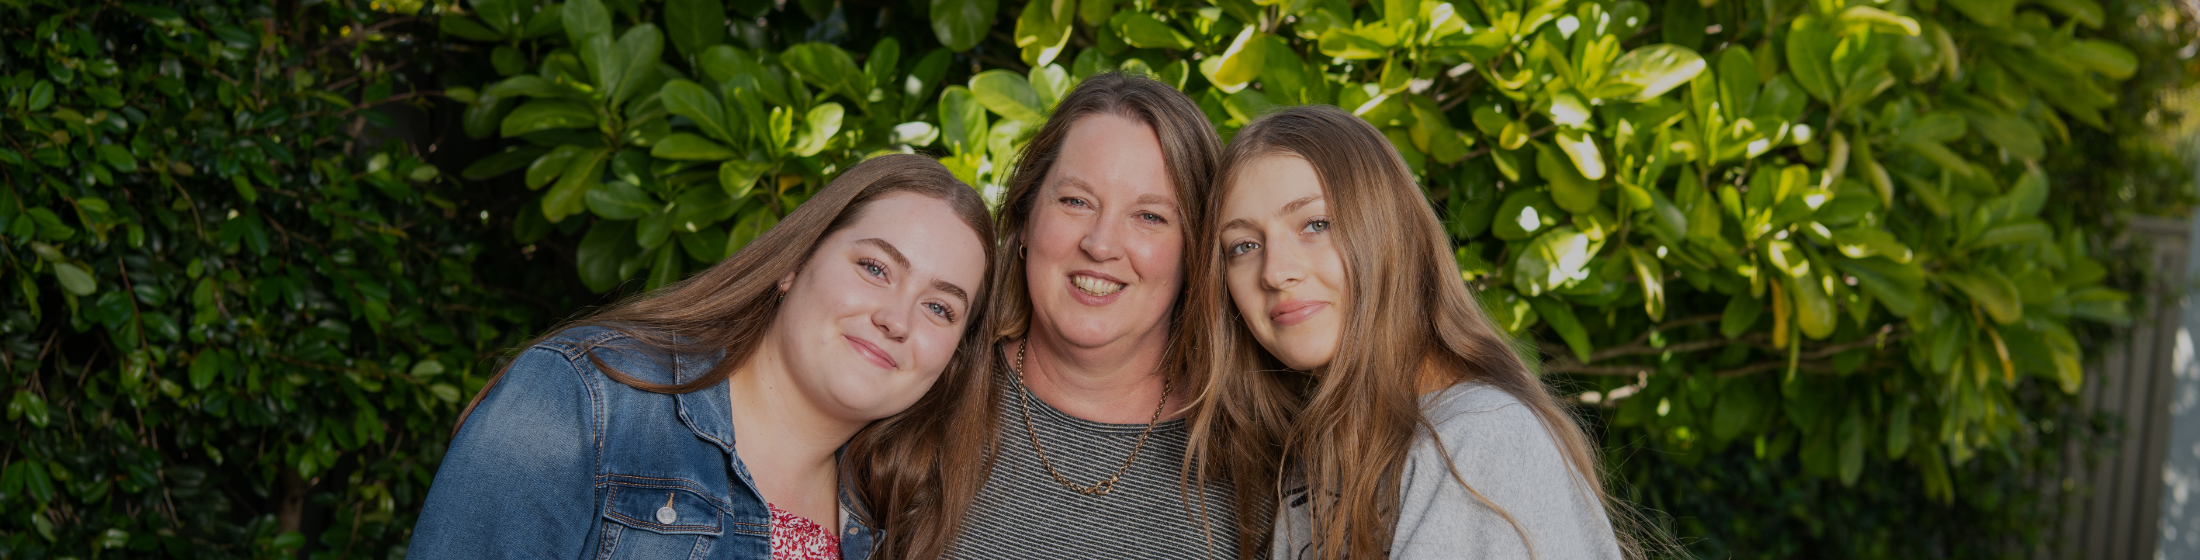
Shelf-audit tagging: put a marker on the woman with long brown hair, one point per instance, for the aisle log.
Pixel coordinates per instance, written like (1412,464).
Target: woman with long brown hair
(1424,434)
(1080,451)
(615,436)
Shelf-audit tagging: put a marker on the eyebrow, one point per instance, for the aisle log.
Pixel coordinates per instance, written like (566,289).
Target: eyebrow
(952,289)
(1293,206)
(891,252)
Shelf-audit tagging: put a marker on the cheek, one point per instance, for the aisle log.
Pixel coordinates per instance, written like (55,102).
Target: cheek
(935,351)
(1160,259)
(1330,266)
(1050,232)
(1244,290)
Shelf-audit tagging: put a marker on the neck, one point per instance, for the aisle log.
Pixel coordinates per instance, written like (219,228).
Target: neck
(788,442)
(1434,376)
(1116,384)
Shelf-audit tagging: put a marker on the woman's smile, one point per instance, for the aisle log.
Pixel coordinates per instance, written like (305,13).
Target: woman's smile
(1293,312)
(1097,286)
(872,353)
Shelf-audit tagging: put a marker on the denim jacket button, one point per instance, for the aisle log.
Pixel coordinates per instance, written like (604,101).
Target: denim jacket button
(666,516)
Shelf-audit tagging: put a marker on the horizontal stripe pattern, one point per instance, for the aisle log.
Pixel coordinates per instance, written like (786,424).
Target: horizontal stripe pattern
(1024,513)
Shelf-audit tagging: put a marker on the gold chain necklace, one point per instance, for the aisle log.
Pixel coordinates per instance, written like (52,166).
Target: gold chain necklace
(1102,488)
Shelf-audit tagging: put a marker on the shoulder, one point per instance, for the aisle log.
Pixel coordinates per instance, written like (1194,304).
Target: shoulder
(1478,412)
(617,349)
(1487,434)
(1487,474)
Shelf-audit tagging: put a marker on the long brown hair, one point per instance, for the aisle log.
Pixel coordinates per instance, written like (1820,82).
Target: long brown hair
(1408,312)
(731,305)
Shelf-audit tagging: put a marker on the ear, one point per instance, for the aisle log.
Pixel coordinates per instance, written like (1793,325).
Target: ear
(786,282)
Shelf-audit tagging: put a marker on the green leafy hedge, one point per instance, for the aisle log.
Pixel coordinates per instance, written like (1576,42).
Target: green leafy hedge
(234,323)
(1805,253)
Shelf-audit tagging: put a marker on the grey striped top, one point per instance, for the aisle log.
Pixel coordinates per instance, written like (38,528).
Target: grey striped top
(1023,513)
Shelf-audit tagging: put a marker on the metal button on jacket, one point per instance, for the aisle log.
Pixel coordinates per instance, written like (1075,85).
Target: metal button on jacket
(665,514)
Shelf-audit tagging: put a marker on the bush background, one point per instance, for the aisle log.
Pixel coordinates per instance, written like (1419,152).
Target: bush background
(256,256)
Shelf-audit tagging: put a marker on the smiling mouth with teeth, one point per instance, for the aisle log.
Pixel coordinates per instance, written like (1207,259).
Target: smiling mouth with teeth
(1094,286)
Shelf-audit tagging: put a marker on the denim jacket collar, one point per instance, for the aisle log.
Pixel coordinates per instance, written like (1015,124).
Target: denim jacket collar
(709,413)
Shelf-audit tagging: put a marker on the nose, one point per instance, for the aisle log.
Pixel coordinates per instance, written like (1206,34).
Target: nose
(893,322)
(1102,242)
(1282,266)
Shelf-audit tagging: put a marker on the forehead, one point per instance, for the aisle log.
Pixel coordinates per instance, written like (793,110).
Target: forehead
(1112,155)
(924,229)
(1262,185)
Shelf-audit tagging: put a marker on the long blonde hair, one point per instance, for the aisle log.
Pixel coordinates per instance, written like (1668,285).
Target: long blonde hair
(1408,312)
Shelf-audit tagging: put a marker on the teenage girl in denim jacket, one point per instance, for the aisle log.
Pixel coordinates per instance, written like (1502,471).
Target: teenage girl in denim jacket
(704,419)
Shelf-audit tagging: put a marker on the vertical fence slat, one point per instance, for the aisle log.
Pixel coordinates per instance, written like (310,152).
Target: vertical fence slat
(2112,511)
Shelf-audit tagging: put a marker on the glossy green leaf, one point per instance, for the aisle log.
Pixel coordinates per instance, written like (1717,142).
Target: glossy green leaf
(619,200)
(1142,30)
(585,18)
(1008,95)
(689,147)
(1989,13)
(828,67)
(689,99)
(1554,259)
(695,25)
(962,120)
(602,253)
(1043,29)
(1655,69)
(1239,64)
(548,114)
(74,278)
(1809,50)
(2108,58)
(551,165)
(1561,318)
(1740,315)
(1525,212)
(960,24)
(1990,290)
(818,128)
(1569,188)
(738,177)
(1651,276)
(1050,83)
(567,196)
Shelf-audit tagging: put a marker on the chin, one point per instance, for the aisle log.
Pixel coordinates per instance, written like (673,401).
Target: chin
(875,399)
(1308,357)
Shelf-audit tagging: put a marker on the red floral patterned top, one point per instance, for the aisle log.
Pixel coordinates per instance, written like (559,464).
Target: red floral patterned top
(797,538)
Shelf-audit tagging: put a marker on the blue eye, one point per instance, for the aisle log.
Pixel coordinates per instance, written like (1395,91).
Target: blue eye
(941,310)
(872,268)
(1074,201)
(1152,217)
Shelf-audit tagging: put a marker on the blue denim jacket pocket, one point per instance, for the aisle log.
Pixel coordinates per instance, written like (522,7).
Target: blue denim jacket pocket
(662,508)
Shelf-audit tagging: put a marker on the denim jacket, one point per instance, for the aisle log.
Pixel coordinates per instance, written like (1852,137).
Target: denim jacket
(561,461)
